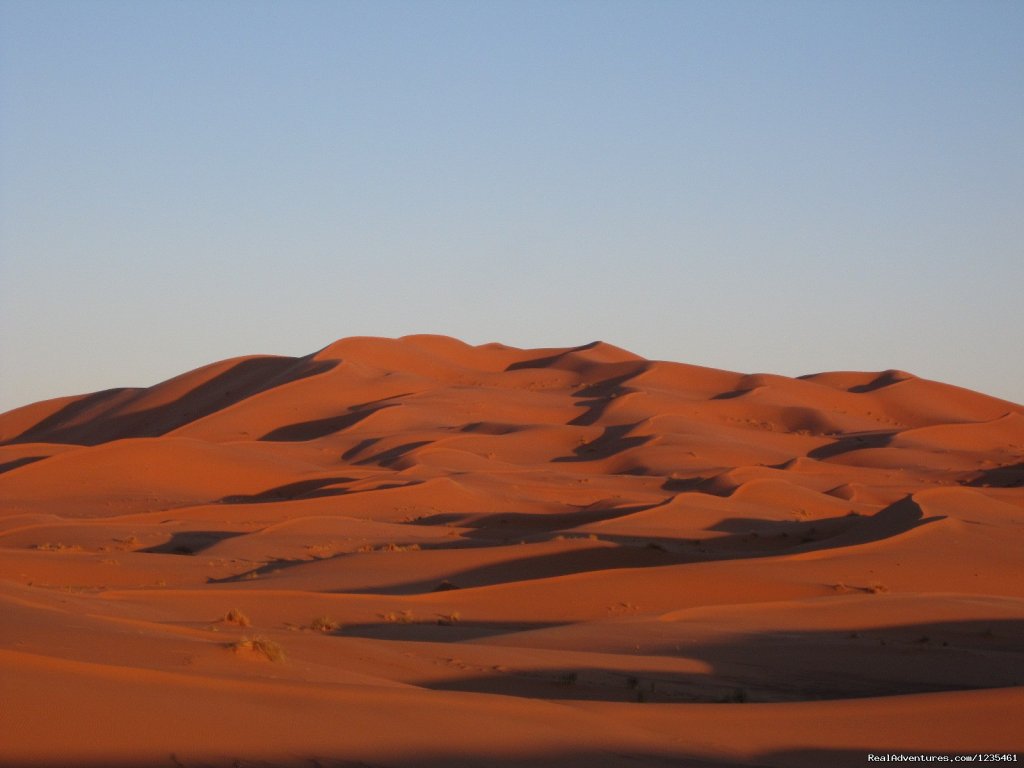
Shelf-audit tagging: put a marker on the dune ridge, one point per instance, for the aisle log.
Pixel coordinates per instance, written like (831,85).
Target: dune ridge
(485,555)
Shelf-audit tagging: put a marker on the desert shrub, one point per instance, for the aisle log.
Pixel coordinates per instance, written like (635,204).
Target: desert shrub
(58,547)
(323,624)
(401,617)
(235,616)
(261,646)
(392,547)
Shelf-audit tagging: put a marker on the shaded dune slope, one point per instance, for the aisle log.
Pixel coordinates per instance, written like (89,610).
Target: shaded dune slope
(556,537)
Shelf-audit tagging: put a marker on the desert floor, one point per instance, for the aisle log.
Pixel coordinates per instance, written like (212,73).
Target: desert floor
(416,552)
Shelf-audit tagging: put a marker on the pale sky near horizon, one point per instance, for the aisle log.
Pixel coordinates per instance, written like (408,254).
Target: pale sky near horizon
(787,187)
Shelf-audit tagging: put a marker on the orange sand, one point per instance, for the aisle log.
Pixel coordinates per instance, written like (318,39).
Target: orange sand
(488,556)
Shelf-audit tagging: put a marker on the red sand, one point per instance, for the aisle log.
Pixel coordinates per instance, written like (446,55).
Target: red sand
(488,556)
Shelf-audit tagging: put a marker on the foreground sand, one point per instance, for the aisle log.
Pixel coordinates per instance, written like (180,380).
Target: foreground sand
(417,552)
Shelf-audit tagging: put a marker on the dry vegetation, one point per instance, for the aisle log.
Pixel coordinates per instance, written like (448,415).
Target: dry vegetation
(401,617)
(235,616)
(259,646)
(324,624)
(58,547)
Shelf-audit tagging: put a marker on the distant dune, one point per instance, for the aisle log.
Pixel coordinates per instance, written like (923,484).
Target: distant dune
(416,552)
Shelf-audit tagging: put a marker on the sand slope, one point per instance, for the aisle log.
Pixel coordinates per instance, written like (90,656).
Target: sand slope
(442,555)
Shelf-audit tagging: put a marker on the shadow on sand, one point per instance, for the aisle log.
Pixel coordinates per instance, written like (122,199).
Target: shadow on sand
(72,424)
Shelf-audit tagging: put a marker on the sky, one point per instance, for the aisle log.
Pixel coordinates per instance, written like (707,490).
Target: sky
(776,186)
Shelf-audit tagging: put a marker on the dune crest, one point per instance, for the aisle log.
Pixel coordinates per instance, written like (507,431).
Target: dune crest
(558,556)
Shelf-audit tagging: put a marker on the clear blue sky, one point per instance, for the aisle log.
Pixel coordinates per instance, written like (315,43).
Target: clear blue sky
(759,186)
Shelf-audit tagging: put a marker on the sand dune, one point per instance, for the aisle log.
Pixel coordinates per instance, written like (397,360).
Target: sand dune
(419,552)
